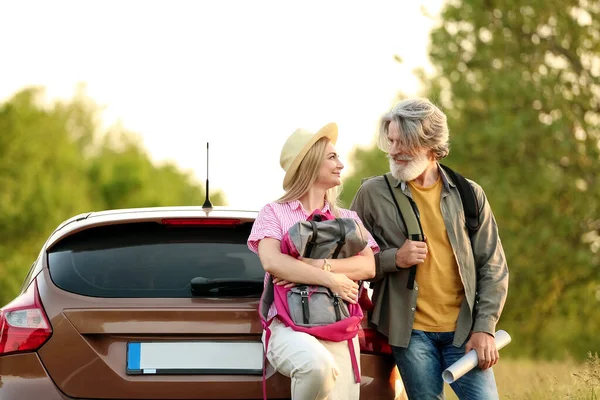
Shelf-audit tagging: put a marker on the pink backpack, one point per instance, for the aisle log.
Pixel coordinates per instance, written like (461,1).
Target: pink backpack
(314,309)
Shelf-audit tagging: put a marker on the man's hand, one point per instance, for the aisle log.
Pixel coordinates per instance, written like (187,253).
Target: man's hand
(411,253)
(485,346)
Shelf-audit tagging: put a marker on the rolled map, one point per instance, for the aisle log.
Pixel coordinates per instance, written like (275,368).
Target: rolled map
(470,360)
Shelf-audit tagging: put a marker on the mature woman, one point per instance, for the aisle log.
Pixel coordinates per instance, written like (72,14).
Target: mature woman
(318,369)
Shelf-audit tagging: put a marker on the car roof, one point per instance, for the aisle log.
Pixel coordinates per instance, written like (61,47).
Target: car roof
(219,211)
(149,214)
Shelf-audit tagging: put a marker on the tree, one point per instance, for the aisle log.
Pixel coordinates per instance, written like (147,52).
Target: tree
(55,163)
(42,181)
(520,86)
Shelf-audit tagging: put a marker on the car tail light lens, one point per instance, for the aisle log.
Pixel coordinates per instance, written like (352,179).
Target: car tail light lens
(24,325)
(364,300)
(201,221)
(372,341)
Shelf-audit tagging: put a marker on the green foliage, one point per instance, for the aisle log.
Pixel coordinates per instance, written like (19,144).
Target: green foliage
(520,86)
(542,380)
(365,163)
(55,163)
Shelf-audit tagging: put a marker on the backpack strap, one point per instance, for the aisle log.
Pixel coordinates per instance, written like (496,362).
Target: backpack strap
(354,361)
(468,199)
(313,239)
(304,298)
(264,371)
(266,301)
(342,240)
(410,218)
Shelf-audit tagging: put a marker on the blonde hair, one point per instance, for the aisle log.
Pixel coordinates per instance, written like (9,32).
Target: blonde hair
(307,174)
(421,124)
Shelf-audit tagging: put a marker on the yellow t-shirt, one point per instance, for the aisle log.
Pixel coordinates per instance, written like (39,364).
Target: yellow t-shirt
(440,288)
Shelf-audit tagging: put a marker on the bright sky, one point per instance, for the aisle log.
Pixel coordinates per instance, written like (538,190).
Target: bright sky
(242,75)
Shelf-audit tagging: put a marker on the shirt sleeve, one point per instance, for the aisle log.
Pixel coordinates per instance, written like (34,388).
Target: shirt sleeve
(371,242)
(266,225)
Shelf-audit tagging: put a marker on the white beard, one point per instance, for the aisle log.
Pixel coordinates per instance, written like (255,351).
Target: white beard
(411,171)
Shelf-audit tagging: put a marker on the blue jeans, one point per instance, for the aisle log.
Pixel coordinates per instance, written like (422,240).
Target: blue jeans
(427,355)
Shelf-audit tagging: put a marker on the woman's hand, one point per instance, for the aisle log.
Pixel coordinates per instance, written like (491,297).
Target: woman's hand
(340,284)
(310,261)
(344,287)
(280,282)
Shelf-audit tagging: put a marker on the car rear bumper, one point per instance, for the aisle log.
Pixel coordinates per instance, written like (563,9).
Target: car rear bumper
(23,377)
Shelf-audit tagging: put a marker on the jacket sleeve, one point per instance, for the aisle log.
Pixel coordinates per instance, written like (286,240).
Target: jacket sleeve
(385,259)
(491,266)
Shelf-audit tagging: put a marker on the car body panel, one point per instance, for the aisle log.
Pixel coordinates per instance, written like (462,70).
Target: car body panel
(85,358)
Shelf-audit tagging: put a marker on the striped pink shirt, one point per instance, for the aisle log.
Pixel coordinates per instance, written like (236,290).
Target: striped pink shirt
(275,219)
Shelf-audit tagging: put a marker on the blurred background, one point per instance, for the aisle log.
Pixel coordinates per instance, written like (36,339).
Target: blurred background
(110,105)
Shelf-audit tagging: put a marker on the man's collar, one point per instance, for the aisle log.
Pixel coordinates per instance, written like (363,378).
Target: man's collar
(395,182)
(447,182)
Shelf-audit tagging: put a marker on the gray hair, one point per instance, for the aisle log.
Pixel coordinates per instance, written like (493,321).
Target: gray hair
(421,124)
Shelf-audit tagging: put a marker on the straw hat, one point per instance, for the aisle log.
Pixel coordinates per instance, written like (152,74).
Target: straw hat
(298,144)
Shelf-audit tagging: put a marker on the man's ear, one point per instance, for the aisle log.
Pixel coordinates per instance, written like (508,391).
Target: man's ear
(430,155)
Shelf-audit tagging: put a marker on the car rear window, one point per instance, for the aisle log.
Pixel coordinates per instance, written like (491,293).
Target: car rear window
(150,260)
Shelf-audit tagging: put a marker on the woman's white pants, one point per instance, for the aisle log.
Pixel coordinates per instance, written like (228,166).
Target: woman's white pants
(319,369)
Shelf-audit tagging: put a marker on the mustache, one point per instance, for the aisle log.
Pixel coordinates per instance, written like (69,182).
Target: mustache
(400,158)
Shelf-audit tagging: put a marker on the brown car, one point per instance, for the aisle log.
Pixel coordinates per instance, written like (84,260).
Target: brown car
(154,303)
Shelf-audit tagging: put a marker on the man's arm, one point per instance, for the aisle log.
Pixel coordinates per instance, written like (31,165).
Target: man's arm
(492,269)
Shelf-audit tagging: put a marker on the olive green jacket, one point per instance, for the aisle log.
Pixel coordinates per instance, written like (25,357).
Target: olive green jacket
(481,261)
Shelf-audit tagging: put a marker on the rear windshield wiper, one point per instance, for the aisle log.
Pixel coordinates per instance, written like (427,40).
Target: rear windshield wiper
(202,286)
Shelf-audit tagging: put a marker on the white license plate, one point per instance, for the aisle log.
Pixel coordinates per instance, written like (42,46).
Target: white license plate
(202,357)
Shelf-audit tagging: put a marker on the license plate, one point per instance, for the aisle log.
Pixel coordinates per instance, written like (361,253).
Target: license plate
(202,357)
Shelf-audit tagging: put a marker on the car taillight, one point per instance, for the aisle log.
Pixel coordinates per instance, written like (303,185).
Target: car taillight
(365,301)
(372,341)
(24,325)
(201,221)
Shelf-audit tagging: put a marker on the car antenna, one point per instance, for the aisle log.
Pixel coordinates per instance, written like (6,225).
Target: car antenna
(207,206)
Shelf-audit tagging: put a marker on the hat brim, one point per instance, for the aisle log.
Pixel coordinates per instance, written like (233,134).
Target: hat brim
(329,131)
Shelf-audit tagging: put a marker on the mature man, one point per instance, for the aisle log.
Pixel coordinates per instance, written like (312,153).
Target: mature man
(461,280)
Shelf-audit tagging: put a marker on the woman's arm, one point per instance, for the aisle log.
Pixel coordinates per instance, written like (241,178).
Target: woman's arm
(290,269)
(287,267)
(358,268)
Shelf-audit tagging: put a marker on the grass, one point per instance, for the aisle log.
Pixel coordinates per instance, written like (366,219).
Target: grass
(537,380)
